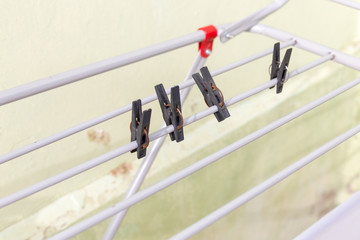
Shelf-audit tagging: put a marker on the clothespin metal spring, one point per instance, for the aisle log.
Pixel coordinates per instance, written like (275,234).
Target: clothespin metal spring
(171,111)
(212,94)
(139,128)
(279,69)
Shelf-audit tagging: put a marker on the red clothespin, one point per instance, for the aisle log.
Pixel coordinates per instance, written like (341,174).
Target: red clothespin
(206,46)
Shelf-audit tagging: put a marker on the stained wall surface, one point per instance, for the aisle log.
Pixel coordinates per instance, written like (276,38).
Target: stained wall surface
(42,38)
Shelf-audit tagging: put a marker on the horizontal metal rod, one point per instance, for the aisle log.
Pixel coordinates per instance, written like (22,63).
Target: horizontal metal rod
(262,187)
(313,64)
(45,84)
(99,217)
(244,24)
(70,131)
(126,148)
(61,79)
(307,45)
(348,3)
(249,59)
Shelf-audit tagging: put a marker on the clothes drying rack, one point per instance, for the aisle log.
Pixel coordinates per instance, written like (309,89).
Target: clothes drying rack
(225,32)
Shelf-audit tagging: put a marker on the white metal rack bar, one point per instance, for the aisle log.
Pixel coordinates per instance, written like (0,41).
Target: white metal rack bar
(337,224)
(307,45)
(246,23)
(99,217)
(302,43)
(262,187)
(70,131)
(144,168)
(128,147)
(139,178)
(74,75)
(225,32)
(58,80)
(150,157)
(348,3)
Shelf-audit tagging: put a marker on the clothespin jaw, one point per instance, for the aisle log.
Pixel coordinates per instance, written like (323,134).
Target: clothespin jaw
(142,137)
(278,70)
(275,62)
(135,119)
(281,76)
(139,127)
(212,94)
(177,119)
(171,111)
(164,106)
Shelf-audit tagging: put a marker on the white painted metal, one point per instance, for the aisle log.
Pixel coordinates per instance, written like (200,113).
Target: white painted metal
(89,222)
(58,80)
(262,187)
(80,127)
(150,157)
(61,79)
(307,45)
(249,23)
(251,20)
(340,223)
(348,3)
(126,148)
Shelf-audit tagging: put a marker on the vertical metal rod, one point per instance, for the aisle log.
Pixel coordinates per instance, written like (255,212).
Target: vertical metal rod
(149,159)
(262,187)
(168,181)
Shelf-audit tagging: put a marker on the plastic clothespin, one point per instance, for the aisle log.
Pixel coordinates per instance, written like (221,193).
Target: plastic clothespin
(139,127)
(171,111)
(275,62)
(212,94)
(278,70)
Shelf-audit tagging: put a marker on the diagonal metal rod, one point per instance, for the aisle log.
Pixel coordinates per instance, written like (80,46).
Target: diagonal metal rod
(338,222)
(249,21)
(128,147)
(144,168)
(150,157)
(166,182)
(262,187)
(71,131)
(348,3)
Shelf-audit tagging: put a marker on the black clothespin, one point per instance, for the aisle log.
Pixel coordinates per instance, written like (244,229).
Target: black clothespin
(278,70)
(139,127)
(275,62)
(171,111)
(212,94)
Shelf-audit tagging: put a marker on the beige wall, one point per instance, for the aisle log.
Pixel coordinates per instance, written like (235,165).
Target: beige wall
(41,38)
